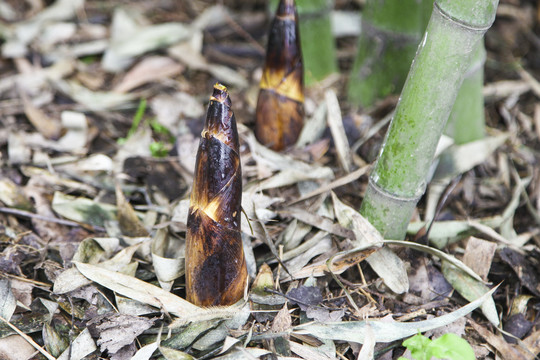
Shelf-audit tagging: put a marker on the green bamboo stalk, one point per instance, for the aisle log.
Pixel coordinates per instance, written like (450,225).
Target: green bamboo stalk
(391,31)
(316,40)
(399,177)
(467,121)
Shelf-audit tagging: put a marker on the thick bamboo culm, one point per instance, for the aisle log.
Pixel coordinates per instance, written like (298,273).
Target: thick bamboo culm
(399,176)
(215,265)
(280,106)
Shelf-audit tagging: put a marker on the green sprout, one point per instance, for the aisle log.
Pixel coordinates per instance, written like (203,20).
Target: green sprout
(449,346)
(157,148)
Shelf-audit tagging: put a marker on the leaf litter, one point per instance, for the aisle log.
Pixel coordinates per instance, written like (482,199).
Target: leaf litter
(93,226)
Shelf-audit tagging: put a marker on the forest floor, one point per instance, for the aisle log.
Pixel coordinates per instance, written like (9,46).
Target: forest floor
(98,136)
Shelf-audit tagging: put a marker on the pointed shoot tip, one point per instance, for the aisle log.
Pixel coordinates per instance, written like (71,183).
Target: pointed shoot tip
(220,93)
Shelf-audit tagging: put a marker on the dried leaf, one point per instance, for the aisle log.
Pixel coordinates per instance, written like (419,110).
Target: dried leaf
(53,340)
(470,289)
(461,158)
(8,303)
(479,255)
(83,210)
(172,354)
(129,222)
(150,69)
(82,346)
(356,331)
(15,347)
(93,100)
(145,353)
(129,40)
(444,233)
(384,261)
(152,295)
(168,256)
(47,126)
(335,123)
(323,315)
(75,139)
(305,296)
(118,330)
(12,195)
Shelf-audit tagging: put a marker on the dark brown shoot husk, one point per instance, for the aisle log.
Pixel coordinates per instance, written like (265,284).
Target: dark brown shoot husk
(280,106)
(215,266)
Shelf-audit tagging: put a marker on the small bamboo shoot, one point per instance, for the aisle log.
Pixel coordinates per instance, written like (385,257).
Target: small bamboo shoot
(280,106)
(215,265)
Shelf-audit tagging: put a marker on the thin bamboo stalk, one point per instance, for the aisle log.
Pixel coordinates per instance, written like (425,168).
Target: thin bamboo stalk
(399,177)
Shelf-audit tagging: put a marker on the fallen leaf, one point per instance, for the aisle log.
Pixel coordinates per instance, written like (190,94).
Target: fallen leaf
(118,330)
(150,69)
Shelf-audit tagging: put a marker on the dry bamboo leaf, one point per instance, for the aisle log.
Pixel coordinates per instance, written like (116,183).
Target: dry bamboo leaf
(15,347)
(118,330)
(18,150)
(384,261)
(498,342)
(280,106)
(82,346)
(442,255)
(368,347)
(129,40)
(145,353)
(216,270)
(355,331)
(150,69)
(314,127)
(129,222)
(334,184)
(173,354)
(83,210)
(167,256)
(138,290)
(76,136)
(461,158)
(12,195)
(470,289)
(335,123)
(192,57)
(93,100)
(26,31)
(479,255)
(444,233)
(8,303)
(319,222)
(335,263)
(47,126)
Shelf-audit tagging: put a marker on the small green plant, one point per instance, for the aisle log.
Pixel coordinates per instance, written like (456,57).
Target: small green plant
(157,148)
(449,346)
